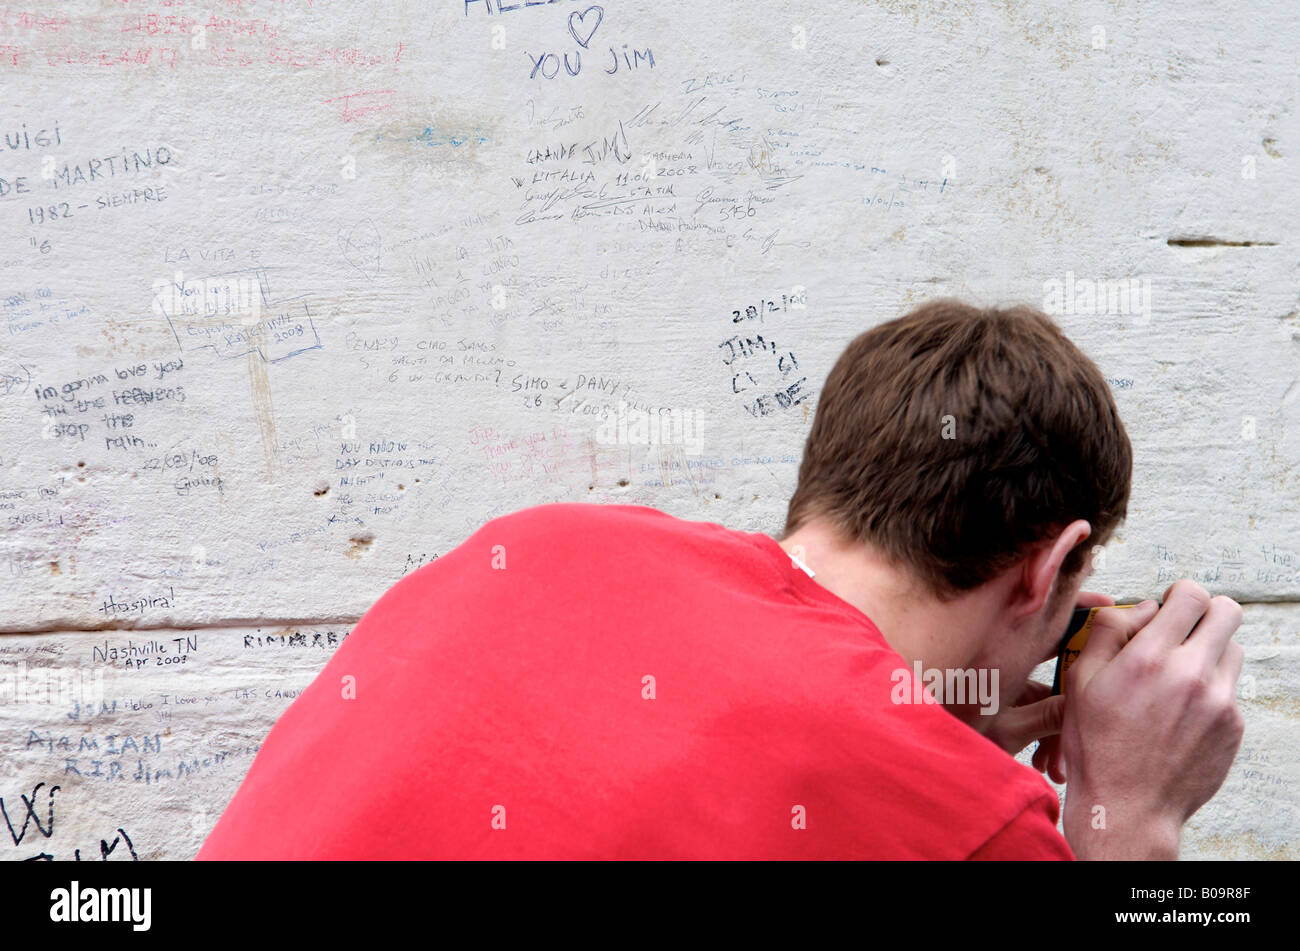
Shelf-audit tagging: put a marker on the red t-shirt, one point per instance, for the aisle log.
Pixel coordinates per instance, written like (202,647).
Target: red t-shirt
(580,681)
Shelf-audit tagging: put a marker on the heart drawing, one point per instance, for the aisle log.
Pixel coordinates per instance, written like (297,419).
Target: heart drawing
(580,25)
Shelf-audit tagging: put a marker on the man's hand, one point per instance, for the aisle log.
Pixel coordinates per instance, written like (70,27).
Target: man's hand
(1037,715)
(1151,722)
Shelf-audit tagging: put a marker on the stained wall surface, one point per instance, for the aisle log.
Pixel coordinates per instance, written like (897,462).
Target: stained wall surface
(296,294)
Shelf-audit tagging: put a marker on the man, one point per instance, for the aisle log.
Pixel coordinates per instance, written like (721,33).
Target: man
(582,681)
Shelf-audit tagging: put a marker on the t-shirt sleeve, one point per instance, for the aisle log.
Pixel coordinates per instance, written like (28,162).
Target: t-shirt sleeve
(1030,837)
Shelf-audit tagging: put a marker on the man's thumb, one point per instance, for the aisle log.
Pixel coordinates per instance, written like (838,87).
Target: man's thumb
(1111,630)
(1020,726)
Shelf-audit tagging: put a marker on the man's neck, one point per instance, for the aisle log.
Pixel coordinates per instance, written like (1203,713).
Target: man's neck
(913,622)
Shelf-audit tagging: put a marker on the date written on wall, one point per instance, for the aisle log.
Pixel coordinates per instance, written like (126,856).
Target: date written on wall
(145,653)
(768,376)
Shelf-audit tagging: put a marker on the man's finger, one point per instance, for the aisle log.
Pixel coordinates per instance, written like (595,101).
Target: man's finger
(1093,599)
(1032,692)
(1215,630)
(1231,663)
(1111,630)
(1048,758)
(1056,764)
(1184,605)
(1085,599)
(1020,726)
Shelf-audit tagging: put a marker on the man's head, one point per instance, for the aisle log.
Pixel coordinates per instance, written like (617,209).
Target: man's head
(965,449)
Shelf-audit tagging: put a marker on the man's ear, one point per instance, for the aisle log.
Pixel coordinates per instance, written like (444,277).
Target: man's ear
(1039,570)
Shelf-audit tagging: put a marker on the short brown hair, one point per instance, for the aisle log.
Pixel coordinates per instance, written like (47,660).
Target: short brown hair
(955,439)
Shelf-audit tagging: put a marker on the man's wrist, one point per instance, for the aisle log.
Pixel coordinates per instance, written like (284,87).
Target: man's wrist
(1119,829)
